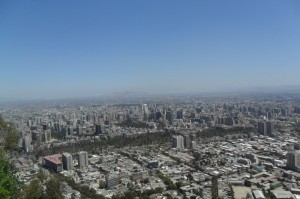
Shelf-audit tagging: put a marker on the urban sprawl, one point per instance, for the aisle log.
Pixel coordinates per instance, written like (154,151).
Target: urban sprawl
(238,146)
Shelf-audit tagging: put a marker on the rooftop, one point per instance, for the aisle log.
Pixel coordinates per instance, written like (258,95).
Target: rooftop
(56,158)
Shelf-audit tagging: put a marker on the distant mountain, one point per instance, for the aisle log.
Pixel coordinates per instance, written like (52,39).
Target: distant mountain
(272,89)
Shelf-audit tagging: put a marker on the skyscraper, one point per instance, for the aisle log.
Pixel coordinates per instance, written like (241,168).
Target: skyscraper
(170,117)
(67,161)
(145,112)
(262,128)
(112,180)
(293,161)
(179,114)
(98,129)
(270,128)
(178,142)
(187,141)
(83,159)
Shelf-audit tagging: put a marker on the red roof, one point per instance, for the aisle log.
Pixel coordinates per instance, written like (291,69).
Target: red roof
(54,158)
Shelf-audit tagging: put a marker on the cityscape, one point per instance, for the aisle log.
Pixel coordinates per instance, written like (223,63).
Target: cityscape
(242,146)
(144,99)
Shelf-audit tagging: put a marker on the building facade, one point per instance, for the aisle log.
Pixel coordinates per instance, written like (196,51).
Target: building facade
(83,159)
(67,161)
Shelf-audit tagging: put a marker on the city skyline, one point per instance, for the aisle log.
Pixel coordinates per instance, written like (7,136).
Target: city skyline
(62,49)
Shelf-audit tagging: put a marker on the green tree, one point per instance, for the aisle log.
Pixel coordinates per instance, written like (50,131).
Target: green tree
(11,138)
(53,188)
(41,175)
(33,191)
(8,182)
(190,177)
(10,134)
(101,184)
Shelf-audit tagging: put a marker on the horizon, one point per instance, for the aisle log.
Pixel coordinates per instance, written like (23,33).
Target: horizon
(249,91)
(76,49)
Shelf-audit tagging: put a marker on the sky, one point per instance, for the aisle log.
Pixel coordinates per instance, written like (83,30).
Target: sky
(72,48)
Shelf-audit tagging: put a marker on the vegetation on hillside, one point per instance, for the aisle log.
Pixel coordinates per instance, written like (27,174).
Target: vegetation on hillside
(8,181)
(10,135)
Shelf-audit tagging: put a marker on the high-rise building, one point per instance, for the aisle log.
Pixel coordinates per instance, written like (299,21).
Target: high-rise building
(170,117)
(45,127)
(46,136)
(270,128)
(37,137)
(70,130)
(262,128)
(27,143)
(285,111)
(179,114)
(178,142)
(53,162)
(293,161)
(67,161)
(229,121)
(98,129)
(297,110)
(79,130)
(112,180)
(83,159)
(145,108)
(193,145)
(145,112)
(187,141)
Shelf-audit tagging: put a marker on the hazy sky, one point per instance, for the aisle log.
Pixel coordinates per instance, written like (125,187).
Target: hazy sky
(71,48)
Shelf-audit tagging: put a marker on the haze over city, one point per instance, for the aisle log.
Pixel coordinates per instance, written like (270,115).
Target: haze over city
(144,99)
(59,49)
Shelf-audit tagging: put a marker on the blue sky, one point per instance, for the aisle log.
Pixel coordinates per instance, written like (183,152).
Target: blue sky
(70,48)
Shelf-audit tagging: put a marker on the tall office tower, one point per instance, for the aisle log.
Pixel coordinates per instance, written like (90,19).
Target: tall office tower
(57,127)
(193,144)
(45,127)
(288,110)
(111,180)
(83,159)
(27,143)
(46,136)
(38,120)
(270,128)
(178,142)
(96,118)
(229,121)
(293,161)
(170,116)
(98,129)
(297,110)
(79,130)
(70,130)
(145,112)
(67,161)
(179,114)
(37,137)
(145,108)
(262,128)
(187,141)
(284,112)
(29,123)
(88,117)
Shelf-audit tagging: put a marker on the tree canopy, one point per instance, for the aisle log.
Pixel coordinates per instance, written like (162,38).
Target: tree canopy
(8,181)
(10,135)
